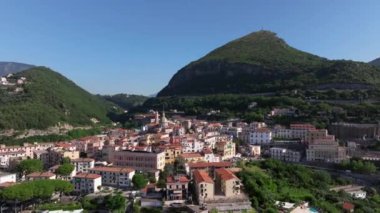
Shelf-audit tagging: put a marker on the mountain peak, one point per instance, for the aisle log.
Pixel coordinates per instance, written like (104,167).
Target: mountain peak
(375,62)
(13,67)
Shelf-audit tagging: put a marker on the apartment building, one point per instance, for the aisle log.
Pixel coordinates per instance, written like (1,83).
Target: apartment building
(87,183)
(177,187)
(5,157)
(260,136)
(226,149)
(83,164)
(139,160)
(284,154)
(114,176)
(172,152)
(192,145)
(7,177)
(227,183)
(192,157)
(204,186)
(209,167)
(326,152)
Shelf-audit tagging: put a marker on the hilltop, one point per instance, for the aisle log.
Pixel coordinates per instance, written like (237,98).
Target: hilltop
(40,98)
(263,62)
(13,67)
(125,101)
(375,62)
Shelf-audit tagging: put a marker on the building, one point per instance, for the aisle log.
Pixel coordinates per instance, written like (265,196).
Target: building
(177,187)
(7,177)
(139,160)
(260,136)
(226,149)
(326,152)
(6,157)
(171,153)
(41,176)
(192,157)
(354,190)
(227,183)
(209,167)
(284,154)
(255,150)
(87,183)
(114,176)
(83,164)
(191,145)
(354,131)
(204,186)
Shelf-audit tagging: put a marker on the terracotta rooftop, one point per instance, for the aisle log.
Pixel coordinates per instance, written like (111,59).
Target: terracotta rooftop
(87,176)
(191,155)
(182,179)
(348,206)
(40,174)
(225,174)
(209,164)
(112,169)
(202,176)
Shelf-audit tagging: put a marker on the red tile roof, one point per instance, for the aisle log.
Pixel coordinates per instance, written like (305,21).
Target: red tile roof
(87,176)
(202,176)
(182,179)
(82,160)
(348,206)
(40,174)
(225,174)
(198,165)
(112,169)
(191,155)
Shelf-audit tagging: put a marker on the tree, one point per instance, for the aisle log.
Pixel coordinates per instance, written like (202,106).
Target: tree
(114,202)
(66,160)
(29,166)
(139,181)
(65,169)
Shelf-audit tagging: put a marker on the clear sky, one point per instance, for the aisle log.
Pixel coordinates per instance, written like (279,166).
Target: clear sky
(113,46)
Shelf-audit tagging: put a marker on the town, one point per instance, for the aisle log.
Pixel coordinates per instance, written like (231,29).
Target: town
(182,163)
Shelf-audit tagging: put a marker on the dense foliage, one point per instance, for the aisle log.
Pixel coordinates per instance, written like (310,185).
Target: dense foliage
(111,202)
(269,181)
(139,181)
(29,166)
(65,169)
(358,166)
(60,206)
(262,62)
(48,99)
(37,189)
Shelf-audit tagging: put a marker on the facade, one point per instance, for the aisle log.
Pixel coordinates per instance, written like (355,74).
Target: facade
(177,187)
(255,150)
(139,160)
(192,145)
(354,190)
(209,167)
(114,176)
(87,183)
(6,157)
(354,131)
(192,157)
(204,186)
(227,183)
(41,176)
(260,136)
(226,149)
(326,152)
(83,164)
(171,153)
(285,154)
(7,177)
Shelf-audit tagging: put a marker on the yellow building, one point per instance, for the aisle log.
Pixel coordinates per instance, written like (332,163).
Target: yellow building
(204,186)
(226,149)
(227,183)
(171,153)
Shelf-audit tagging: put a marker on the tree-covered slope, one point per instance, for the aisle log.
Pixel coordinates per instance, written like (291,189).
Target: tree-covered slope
(45,99)
(13,67)
(263,62)
(125,101)
(375,62)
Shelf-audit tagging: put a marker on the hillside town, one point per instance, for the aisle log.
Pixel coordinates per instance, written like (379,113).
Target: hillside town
(188,163)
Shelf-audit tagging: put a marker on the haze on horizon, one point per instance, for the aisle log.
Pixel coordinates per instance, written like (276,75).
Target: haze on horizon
(136,46)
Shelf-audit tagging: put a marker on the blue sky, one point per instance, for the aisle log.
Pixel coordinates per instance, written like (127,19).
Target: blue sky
(113,46)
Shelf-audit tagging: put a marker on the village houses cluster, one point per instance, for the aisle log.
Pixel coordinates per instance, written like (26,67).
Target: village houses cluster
(208,151)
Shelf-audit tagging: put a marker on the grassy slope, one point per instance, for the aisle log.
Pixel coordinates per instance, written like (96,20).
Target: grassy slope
(49,98)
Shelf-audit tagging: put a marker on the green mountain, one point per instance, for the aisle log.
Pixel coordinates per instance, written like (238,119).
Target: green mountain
(262,62)
(46,98)
(13,67)
(375,62)
(125,101)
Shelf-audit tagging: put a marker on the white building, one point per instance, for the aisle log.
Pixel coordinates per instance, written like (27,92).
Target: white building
(5,157)
(87,183)
(83,164)
(260,136)
(7,177)
(285,154)
(192,145)
(115,176)
(354,190)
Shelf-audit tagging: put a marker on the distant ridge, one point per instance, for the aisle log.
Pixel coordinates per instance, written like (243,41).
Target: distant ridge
(375,62)
(263,62)
(13,67)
